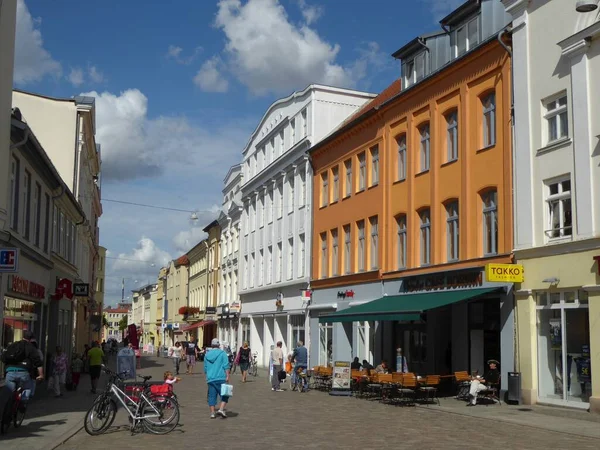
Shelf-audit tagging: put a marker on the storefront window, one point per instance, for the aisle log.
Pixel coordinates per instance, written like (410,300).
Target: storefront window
(298,334)
(563,347)
(325,344)
(19,316)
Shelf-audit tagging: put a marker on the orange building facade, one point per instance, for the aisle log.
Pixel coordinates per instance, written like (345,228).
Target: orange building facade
(413,195)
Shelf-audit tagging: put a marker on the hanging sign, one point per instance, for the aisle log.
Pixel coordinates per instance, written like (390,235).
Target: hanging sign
(505,273)
(9,259)
(81,290)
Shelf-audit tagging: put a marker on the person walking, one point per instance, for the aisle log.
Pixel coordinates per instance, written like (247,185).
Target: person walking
(216,368)
(22,358)
(175,353)
(76,369)
(59,373)
(95,359)
(244,360)
(190,353)
(277,358)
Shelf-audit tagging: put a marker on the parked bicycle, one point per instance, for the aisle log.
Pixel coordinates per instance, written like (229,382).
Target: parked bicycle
(253,369)
(157,414)
(300,382)
(14,410)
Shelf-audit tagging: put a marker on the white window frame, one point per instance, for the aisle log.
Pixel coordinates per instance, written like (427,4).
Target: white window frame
(557,114)
(489,115)
(401,235)
(290,208)
(324,261)
(425,226)
(261,267)
(302,200)
(26,204)
(334,252)
(374,165)
(425,147)
(452,231)
(269,264)
(452,136)
(491,211)
(302,255)
(469,42)
(401,162)
(304,116)
(348,179)
(374,228)
(280,198)
(335,174)
(561,198)
(290,271)
(279,261)
(324,188)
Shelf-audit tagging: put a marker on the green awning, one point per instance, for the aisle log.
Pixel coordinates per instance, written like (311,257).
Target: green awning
(402,307)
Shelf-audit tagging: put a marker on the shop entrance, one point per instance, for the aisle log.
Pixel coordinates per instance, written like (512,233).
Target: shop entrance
(484,333)
(564,348)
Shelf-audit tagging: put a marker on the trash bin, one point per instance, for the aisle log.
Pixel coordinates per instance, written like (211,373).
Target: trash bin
(126,362)
(514,387)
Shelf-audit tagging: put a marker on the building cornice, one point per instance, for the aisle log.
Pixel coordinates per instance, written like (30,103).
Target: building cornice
(558,249)
(579,42)
(515,7)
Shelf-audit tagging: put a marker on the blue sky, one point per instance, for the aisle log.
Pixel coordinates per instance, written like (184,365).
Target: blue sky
(181,86)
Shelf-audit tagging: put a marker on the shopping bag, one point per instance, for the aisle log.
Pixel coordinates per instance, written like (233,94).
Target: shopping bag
(226,390)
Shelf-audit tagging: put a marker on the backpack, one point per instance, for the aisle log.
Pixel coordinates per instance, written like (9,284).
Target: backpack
(15,353)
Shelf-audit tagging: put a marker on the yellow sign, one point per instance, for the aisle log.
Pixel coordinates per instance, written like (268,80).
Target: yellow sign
(505,273)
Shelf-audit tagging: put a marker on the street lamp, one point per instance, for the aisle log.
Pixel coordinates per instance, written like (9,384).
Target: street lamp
(584,6)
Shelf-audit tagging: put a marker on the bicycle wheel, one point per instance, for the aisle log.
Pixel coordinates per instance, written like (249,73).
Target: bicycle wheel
(100,416)
(168,411)
(19,414)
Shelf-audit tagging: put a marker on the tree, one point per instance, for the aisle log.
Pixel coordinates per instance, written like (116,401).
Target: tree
(123,323)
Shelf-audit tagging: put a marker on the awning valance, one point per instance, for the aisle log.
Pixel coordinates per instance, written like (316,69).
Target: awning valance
(402,307)
(197,325)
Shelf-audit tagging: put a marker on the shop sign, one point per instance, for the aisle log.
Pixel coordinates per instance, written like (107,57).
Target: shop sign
(348,293)
(443,281)
(235,307)
(211,310)
(64,288)
(9,259)
(505,273)
(81,290)
(341,375)
(22,286)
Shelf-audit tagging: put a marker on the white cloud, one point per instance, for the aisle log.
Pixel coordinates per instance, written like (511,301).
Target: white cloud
(175,53)
(95,75)
(32,61)
(270,54)
(209,78)
(76,77)
(441,8)
(311,13)
(186,239)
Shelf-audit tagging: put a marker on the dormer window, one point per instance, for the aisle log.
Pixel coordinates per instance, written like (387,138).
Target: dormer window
(465,37)
(413,70)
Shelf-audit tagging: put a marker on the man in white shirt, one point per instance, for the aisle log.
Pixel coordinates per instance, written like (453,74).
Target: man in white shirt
(277,358)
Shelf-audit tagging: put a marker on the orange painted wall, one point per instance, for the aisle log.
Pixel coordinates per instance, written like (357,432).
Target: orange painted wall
(460,86)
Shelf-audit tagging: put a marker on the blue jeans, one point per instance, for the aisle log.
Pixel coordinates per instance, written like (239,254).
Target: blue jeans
(24,379)
(214,391)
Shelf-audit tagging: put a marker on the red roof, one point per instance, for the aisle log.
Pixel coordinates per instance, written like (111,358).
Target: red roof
(116,310)
(182,261)
(389,92)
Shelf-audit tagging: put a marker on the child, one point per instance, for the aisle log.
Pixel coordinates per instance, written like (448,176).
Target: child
(76,369)
(170,379)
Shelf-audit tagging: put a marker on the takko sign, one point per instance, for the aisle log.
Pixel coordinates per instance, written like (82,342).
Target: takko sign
(22,286)
(505,273)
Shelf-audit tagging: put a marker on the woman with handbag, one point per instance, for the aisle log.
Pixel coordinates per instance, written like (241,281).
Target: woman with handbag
(243,360)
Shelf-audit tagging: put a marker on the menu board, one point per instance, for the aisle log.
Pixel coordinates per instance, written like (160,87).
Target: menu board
(341,375)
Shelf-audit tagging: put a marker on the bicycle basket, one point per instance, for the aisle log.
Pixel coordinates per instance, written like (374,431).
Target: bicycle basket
(161,389)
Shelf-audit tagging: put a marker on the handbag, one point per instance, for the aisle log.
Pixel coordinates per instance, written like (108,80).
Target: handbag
(226,390)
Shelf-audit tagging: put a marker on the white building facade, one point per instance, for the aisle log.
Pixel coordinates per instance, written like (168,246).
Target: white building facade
(229,306)
(556,68)
(276,217)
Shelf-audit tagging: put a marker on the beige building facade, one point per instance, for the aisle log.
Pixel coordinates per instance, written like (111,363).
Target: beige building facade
(177,297)
(196,313)
(214,280)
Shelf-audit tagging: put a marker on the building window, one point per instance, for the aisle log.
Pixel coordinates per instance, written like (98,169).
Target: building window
(374,226)
(425,147)
(261,210)
(302,259)
(334,252)
(293,128)
(279,261)
(291,195)
(270,205)
(269,264)
(290,264)
(452,136)
(557,119)
(324,189)
(37,213)
(335,174)
(348,169)
(401,242)
(323,255)
(347,250)
(274,153)
(15,172)
(401,169)
(47,223)
(280,200)
(302,200)
(409,72)
(325,344)
(362,171)
(414,70)
(490,223)
(252,267)
(281,143)
(304,123)
(452,231)
(489,120)
(425,237)
(465,37)
(27,205)
(261,267)
(558,199)
(374,165)
(360,226)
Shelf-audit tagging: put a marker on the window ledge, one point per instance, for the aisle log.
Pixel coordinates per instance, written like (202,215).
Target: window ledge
(423,172)
(558,240)
(554,145)
(400,180)
(447,163)
(374,185)
(323,206)
(333,202)
(301,206)
(360,191)
(486,148)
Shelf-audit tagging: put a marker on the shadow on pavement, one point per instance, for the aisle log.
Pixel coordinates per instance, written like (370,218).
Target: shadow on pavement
(33,428)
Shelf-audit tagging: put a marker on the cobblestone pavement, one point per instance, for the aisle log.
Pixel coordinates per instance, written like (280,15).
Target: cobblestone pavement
(260,418)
